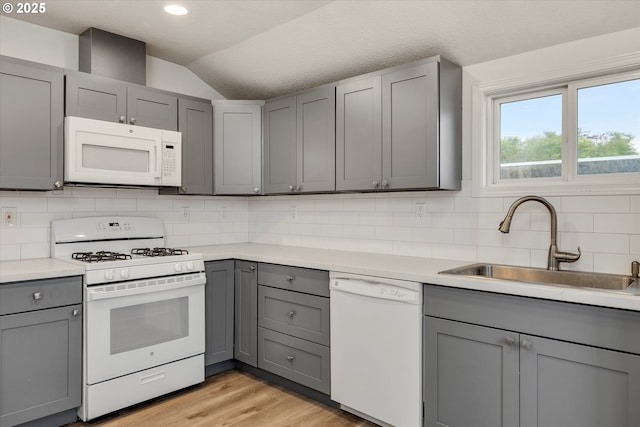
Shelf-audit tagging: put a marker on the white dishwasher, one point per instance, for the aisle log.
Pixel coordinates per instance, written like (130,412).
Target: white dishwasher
(376,348)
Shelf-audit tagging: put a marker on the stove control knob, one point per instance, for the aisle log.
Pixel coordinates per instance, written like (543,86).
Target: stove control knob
(124,273)
(178,267)
(189,265)
(108,274)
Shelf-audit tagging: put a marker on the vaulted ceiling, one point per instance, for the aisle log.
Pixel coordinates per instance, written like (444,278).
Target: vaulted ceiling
(258,49)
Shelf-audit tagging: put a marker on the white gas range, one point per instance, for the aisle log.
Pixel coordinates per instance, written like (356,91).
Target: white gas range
(143,310)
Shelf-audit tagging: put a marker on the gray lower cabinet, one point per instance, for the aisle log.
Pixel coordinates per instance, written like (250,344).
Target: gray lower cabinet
(237,146)
(246,313)
(520,370)
(293,324)
(219,302)
(400,128)
(299,142)
(40,349)
(102,98)
(31,122)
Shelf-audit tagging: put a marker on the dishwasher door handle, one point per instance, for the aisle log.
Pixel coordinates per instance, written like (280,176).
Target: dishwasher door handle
(379,290)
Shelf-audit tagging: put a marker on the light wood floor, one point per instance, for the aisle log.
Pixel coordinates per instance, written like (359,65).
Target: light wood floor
(232,398)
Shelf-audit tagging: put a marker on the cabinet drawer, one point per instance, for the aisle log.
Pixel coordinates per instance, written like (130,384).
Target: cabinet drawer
(301,361)
(299,279)
(18,297)
(301,315)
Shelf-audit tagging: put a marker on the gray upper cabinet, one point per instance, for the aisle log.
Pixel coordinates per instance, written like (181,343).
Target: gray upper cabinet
(195,121)
(237,143)
(299,143)
(31,117)
(400,128)
(101,98)
(359,134)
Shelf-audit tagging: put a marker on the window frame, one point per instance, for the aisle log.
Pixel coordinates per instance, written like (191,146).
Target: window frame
(485,131)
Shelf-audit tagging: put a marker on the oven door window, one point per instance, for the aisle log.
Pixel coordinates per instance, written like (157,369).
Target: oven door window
(145,325)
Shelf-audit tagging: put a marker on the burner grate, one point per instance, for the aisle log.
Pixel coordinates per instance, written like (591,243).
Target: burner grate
(155,252)
(99,256)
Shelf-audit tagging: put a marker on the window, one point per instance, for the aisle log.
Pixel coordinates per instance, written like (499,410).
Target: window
(559,136)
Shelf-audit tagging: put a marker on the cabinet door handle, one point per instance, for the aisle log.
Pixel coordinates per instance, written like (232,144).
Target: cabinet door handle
(290,278)
(375,184)
(37,296)
(385,184)
(132,121)
(252,268)
(298,188)
(57,184)
(291,358)
(291,187)
(291,313)
(123,119)
(75,312)
(509,341)
(256,190)
(526,345)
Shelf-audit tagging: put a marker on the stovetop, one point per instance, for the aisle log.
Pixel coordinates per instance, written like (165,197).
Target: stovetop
(104,256)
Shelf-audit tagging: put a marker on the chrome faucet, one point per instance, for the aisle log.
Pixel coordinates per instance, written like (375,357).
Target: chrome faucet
(555,256)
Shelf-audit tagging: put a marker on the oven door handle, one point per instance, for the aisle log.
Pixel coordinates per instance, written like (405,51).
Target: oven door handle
(147,286)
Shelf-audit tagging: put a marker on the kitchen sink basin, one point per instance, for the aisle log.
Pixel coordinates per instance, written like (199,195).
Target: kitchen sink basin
(538,275)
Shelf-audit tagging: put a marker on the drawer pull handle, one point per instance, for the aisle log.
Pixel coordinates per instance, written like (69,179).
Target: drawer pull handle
(290,358)
(509,340)
(290,278)
(292,313)
(526,345)
(37,296)
(75,312)
(252,268)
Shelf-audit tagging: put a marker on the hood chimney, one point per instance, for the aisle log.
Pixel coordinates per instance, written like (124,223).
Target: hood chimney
(112,55)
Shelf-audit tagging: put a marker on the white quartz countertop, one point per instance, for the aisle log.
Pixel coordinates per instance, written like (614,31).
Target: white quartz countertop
(35,269)
(423,270)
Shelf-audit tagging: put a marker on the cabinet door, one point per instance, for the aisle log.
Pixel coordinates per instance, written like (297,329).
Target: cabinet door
(195,121)
(219,311)
(571,385)
(237,148)
(146,107)
(31,116)
(279,119)
(410,127)
(470,375)
(95,98)
(41,363)
(246,313)
(316,140)
(359,135)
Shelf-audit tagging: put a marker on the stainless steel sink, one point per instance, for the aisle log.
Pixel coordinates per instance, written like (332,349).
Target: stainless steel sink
(538,275)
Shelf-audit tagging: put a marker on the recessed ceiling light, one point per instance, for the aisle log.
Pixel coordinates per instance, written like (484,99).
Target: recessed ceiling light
(174,9)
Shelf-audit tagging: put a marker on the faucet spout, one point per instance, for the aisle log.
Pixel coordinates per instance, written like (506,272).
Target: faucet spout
(555,256)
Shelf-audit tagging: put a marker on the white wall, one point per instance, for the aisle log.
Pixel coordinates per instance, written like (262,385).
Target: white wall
(455,225)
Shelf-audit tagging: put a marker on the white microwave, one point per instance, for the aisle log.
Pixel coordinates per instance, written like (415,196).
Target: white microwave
(99,152)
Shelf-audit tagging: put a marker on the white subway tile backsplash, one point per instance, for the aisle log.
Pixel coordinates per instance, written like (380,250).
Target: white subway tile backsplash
(453,224)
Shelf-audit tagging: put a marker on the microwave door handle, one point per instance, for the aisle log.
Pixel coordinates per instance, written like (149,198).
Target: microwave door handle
(158,152)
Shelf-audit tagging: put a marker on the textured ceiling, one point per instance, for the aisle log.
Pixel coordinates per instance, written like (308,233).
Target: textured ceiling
(260,49)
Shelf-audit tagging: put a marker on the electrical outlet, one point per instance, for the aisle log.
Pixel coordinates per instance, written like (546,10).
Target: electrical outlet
(419,210)
(186,213)
(9,217)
